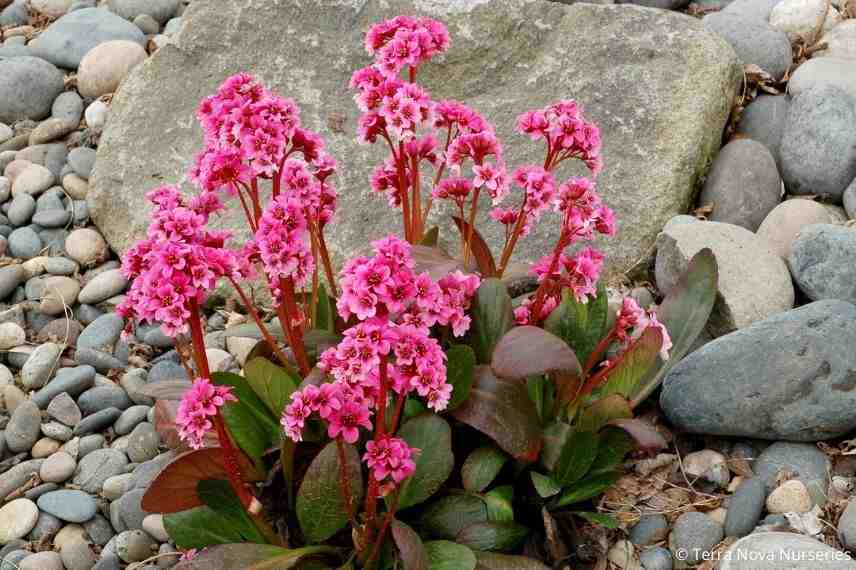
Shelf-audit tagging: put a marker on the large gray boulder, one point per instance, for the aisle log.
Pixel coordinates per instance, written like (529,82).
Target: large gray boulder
(659,86)
(789,377)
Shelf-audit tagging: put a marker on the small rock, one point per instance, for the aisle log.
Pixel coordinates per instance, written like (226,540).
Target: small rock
(657,558)
(69,533)
(97,467)
(130,418)
(160,10)
(82,160)
(745,508)
(24,243)
(68,106)
(650,529)
(72,380)
(754,41)
(240,347)
(18,475)
(153,524)
(804,461)
(101,397)
(97,421)
(21,210)
(99,530)
(90,443)
(30,85)
(104,66)
(147,24)
(23,428)
(11,335)
(103,286)
(116,486)
(10,278)
(63,330)
(58,468)
(46,526)
(50,130)
(143,443)
(840,41)
(69,505)
(17,519)
(40,366)
(60,294)
(57,431)
(695,534)
(130,507)
(708,465)
(76,186)
(798,18)
(76,555)
(789,497)
(33,180)
(46,560)
(44,447)
(834,71)
(787,220)
(51,218)
(134,545)
(96,115)
(87,247)
(822,262)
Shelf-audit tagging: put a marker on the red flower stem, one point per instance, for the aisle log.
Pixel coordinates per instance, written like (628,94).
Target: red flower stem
(288,312)
(604,343)
(471,227)
(417,199)
(598,378)
(257,207)
(515,235)
(246,208)
(346,481)
(387,520)
(399,407)
(430,201)
(230,459)
(325,259)
(380,432)
(541,293)
(280,355)
(402,191)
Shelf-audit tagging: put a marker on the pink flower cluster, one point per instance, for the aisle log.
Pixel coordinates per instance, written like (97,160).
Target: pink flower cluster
(198,407)
(404,41)
(567,133)
(390,458)
(633,320)
(178,262)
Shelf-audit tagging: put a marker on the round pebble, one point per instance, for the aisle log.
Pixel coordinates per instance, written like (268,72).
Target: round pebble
(789,497)
(58,467)
(87,247)
(69,505)
(105,65)
(17,519)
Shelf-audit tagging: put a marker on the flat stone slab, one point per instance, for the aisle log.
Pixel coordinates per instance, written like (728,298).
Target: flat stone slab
(656,82)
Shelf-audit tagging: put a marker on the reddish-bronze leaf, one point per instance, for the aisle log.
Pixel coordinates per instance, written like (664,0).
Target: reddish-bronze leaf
(646,435)
(434,260)
(531,351)
(480,249)
(174,489)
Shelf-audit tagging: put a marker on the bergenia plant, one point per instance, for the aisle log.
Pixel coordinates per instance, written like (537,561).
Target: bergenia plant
(335,447)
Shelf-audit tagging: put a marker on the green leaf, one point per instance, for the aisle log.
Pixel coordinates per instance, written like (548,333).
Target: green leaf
(460,368)
(530,351)
(219,496)
(545,486)
(495,561)
(200,527)
(502,409)
(602,411)
(598,518)
(492,317)
(249,420)
(587,488)
(634,363)
(273,384)
(324,318)
(321,507)
(581,325)
(252,557)
(499,504)
(481,467)
(432,436)
(446,517)
(431,237)
(555,436)
(446,555)
(578,454)
(614,445)
(410,548)
(684,312)
(413,408)
(502,536)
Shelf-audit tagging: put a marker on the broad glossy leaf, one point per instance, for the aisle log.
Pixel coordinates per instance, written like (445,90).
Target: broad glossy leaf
(581,325)
(431,237)
(321,507)
(219,497)
(499,504)
(530,351)
(495,561)
(587,488)
(249,420)
(252,557)
(200,527)
(634,363)
(446,517)
(174,489)
(578,454)
(165,389)
(598,518)
(325,313)
(432,436)
(481,467)
(479,248)
(502,409)
(614,445)
(646,435)
(685,312)
(545,486)
(555,435)
(502,536)
(460,368)
(272,383)
(410,548)
(492,316)
(446,555)
(602,411)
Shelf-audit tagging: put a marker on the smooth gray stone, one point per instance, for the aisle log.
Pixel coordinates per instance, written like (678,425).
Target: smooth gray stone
(29,87)
(745,507)
(69,505)
(805,461)
(823,262)
(754,41)
(97,421)
(72,380)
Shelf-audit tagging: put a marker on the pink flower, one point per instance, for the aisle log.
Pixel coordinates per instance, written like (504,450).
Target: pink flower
(295,415)
(199,405)
(632,321)
(347,420)
(493,178)
(390,457)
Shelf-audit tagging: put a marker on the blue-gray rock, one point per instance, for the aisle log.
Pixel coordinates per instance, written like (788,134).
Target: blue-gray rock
(754,41)
(47,526)
(649,529)
(745,507)
(167,370)
(743,184)
(100,397)
(39,490)
(16,14)
(50,200)
(40,366)
(752,9)
(23,428)
(804,461)
(91,442)
(51,218)
(10,277)
(818,149)
(99,530)
(72,380)
(130,418)
(108,562)
(131,509)
(18,475)
(55,158)
(160,10)
(66,41)
(60,266)
(80,211)
(15,50)
(28,89)
(53,240)
(102,333)
(81,160)
(823,262)
(103,286)
(850,200)
(69,505)
(143,443)
(836,71)
(847,526)
(763,120)
(102,361)
(25,243)
(13,559)
(695,534)
(68,107)
(97,467)
(87,314)
(171,28)
(21,210)
(788,377)
(657,558)
(783,550)
(98,421)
